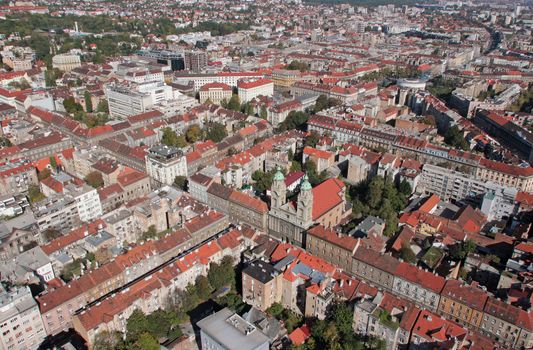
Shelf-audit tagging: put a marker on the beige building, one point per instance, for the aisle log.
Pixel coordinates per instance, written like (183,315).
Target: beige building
(261,285)
(20,320)
(66,62)
(215,92)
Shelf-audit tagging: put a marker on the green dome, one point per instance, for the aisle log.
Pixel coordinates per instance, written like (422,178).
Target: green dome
(278,176)
(306,186)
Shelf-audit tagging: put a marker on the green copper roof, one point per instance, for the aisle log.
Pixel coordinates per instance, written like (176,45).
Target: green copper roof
(278,176)
(306,186)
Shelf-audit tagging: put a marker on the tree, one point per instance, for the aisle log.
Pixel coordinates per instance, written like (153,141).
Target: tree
(294,120)
(169,138)
(343,318)
(461,250)
(193,134)
(216,132)
(34,194)
(88,101)
(150,233)
(203,287)
(53,162)
(103,107)
(70,270)
(263,113)
(51,234)
(146,341)
(234,103)
(71,106)
(136,325)
(105,340)
(181,182)
(223,274)
(312,139)
(298,65)
(407,254)
(43,174)
(275,310)
(454,137)
(95,179)
(5,142)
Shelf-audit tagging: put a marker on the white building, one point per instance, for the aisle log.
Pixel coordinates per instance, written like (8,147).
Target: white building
(164,163)
(228,78)
(125,101)
(66,62)
(248,90)
(21,326)
(88,203)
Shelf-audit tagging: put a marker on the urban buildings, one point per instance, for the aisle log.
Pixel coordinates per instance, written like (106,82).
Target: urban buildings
(164,163)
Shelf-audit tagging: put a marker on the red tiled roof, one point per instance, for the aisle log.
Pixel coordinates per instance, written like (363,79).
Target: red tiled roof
(327,196)
(329,235)
(423,278)
(300,335)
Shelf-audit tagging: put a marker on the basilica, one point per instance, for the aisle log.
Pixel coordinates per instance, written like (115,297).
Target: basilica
(324,204)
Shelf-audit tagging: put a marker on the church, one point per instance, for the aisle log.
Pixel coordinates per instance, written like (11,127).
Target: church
(324,204)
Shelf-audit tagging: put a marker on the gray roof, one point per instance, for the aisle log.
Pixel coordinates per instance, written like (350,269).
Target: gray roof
(261,271)
(232,331)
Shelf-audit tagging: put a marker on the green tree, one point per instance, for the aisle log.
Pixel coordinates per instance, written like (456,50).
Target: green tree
(53,162)
(193,134)
(34,194)
(71,270)
(181,182)
(460,251)
(146,341)
(136,325)
(169,138)
(150,233)
(275,310)
(407,254)
(51,233)
(454,137)
(94,179)
(88,101)
(298,65)
(263,113)
(71,106)
(234,103)
(343,318)
(5,142)
(294,120)
(216,132)
(312,139)
(222,274)
(203,287)
(103,107)
(105,340)
(43,174)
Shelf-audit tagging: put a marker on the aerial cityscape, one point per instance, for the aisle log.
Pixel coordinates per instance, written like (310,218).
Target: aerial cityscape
(266,174)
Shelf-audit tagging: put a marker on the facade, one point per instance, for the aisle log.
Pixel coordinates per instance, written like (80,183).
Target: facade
(328,245)
(375,268)
(215,92)
(248,90)
(164,163)
(325,204)
(16,177)
(462,303)
(20,320)
(125,101)
(195,61)
(225,330)
(66,62)
(261,285)
(421,287)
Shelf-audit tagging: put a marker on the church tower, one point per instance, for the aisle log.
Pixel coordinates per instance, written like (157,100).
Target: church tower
(304,214)
(278,195)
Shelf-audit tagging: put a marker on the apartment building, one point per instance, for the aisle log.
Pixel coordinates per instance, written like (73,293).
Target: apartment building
(462,303)
(21,326)
(164,163)
(195,61)
(327,244)
(16,176)
(261,285)
(228,78)
(420,286)
(248,90)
